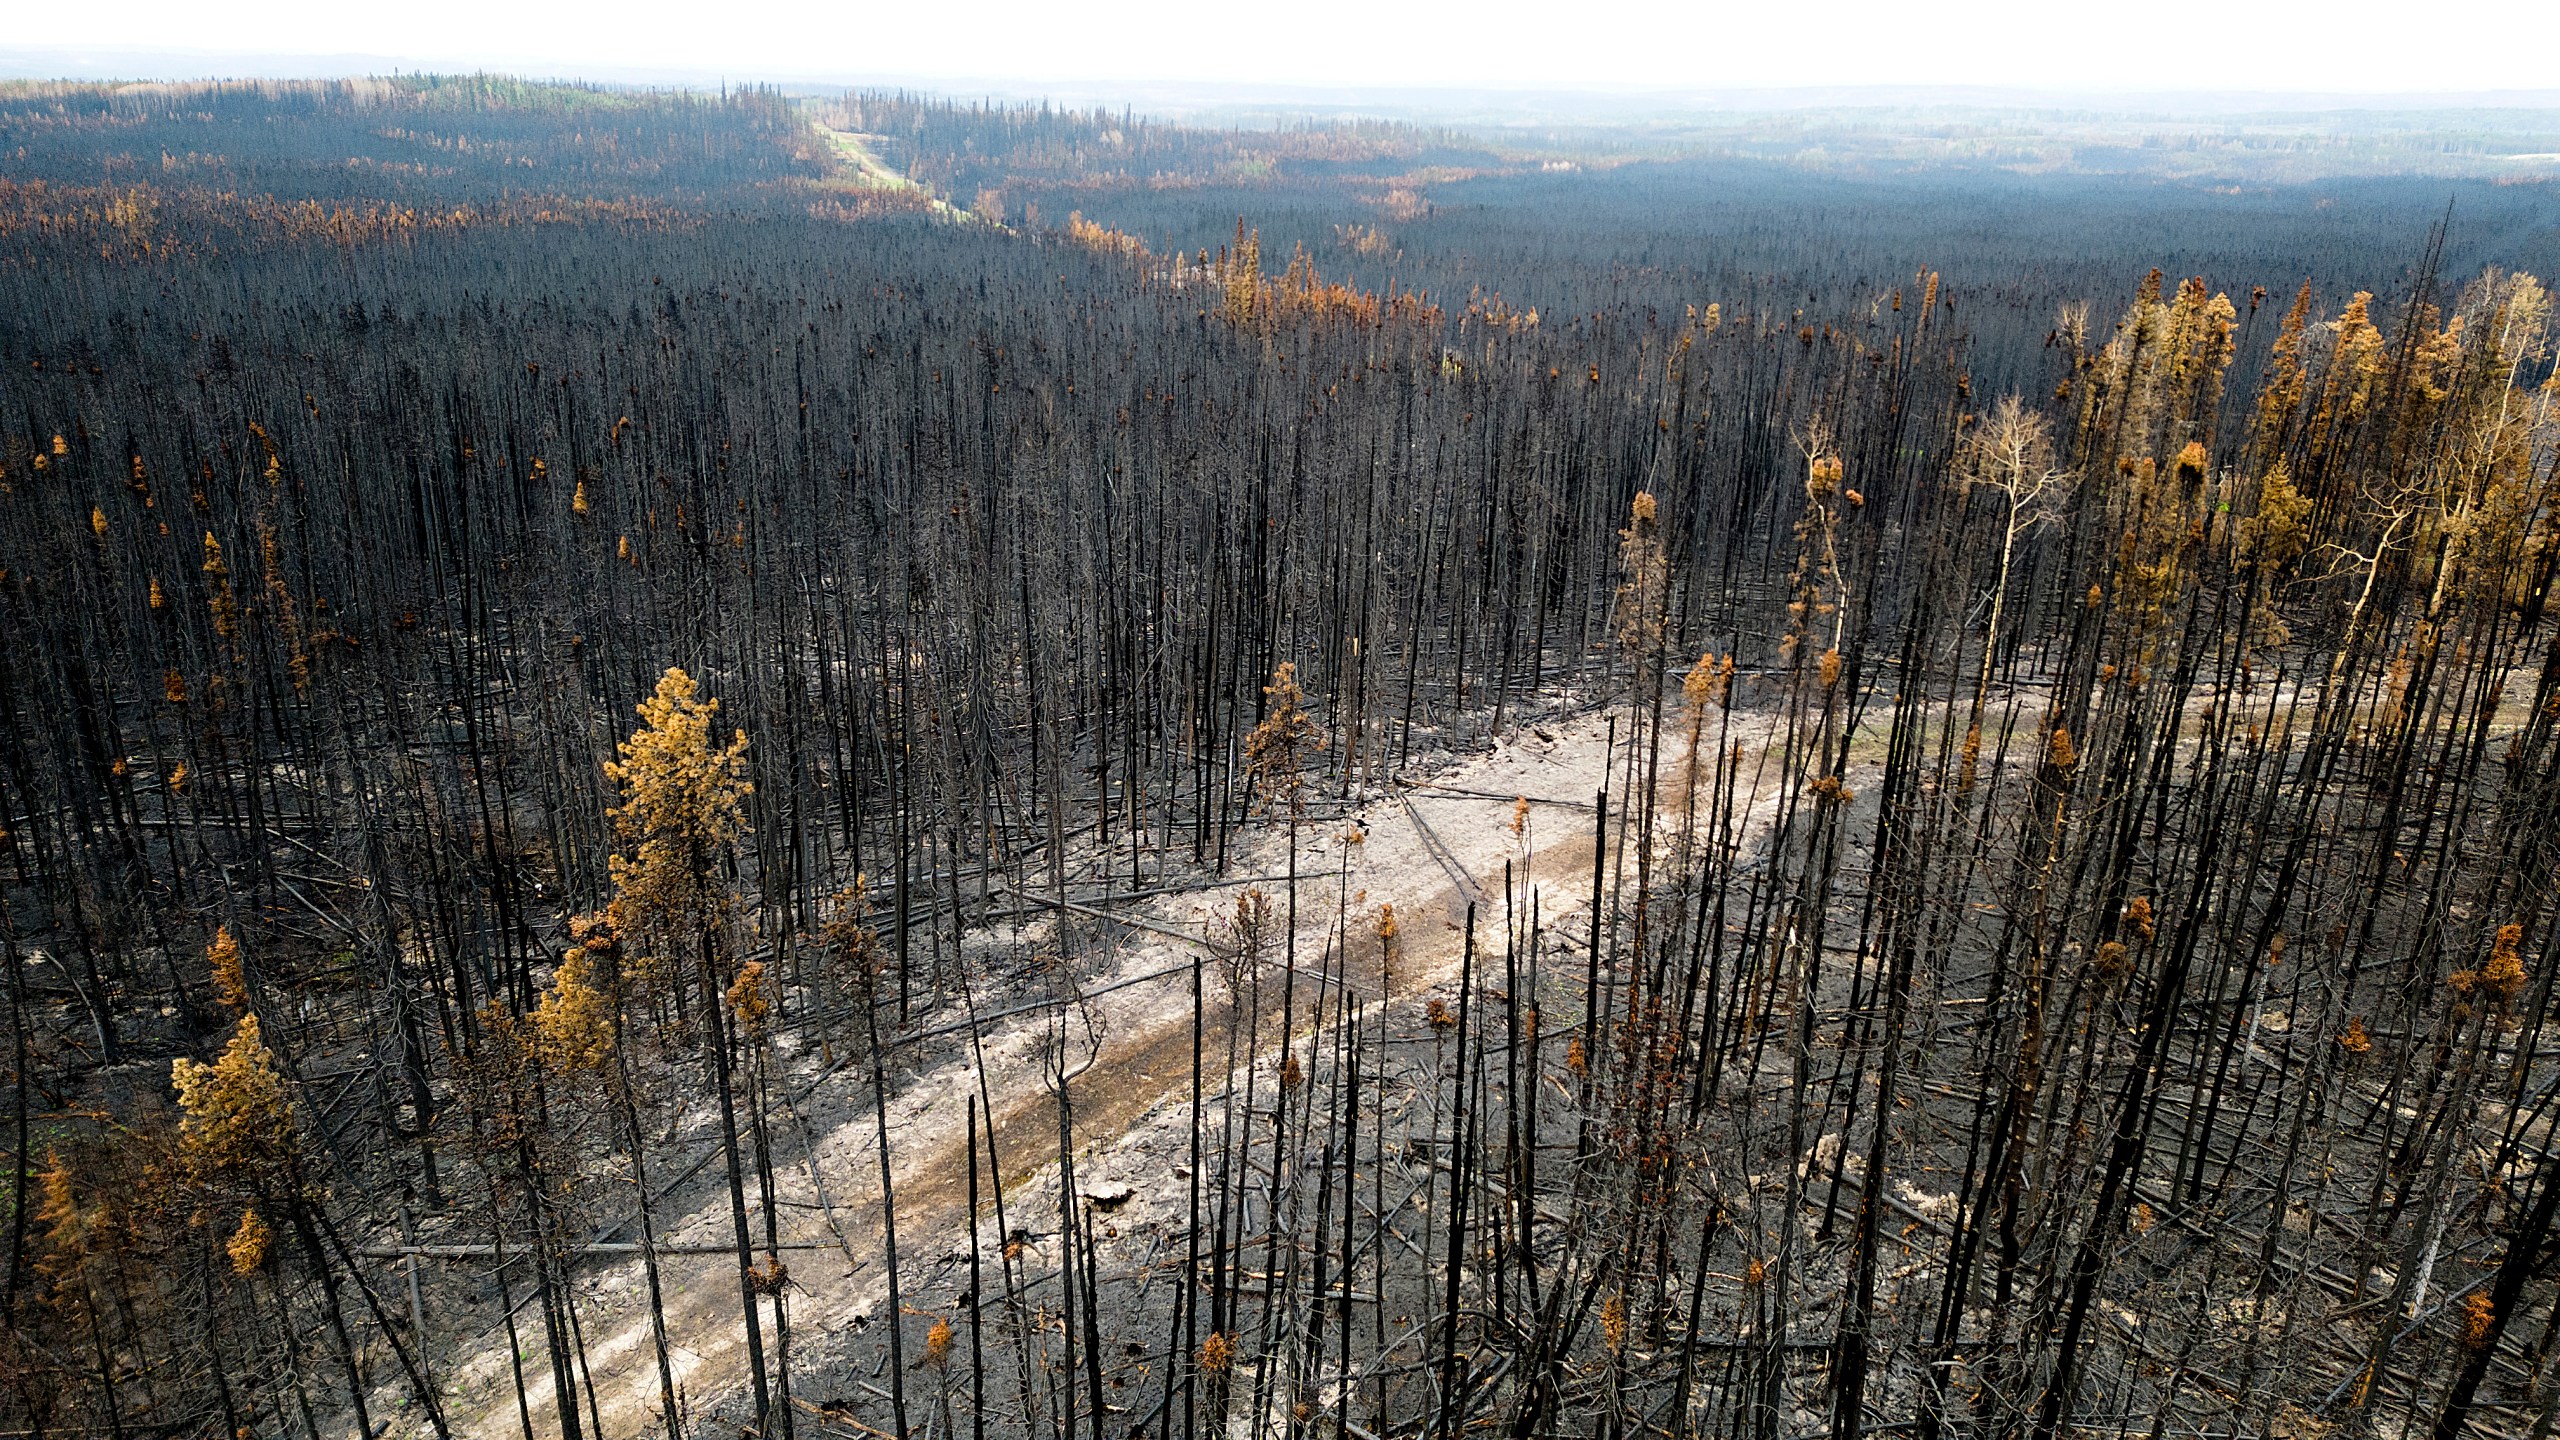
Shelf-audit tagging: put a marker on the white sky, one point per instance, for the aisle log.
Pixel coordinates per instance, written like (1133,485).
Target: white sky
(2257,45)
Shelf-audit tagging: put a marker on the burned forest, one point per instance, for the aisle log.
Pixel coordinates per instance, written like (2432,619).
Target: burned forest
(708,764)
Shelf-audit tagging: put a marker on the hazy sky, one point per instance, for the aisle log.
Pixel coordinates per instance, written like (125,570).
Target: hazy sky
(2323,45)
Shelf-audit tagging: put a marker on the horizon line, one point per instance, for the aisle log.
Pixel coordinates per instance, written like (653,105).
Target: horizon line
(178,65)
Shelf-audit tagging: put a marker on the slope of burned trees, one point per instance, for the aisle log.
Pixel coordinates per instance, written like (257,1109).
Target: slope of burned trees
(525,728)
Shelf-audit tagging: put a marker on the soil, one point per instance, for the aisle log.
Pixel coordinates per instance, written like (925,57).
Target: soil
(1127,1038)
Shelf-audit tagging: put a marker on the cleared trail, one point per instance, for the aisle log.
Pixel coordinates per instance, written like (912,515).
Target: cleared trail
(1429,851)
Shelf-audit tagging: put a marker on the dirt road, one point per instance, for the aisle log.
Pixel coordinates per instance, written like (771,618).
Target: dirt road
(1142,1065)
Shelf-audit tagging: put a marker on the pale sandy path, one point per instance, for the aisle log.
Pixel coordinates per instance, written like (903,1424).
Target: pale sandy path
(1143,1065)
